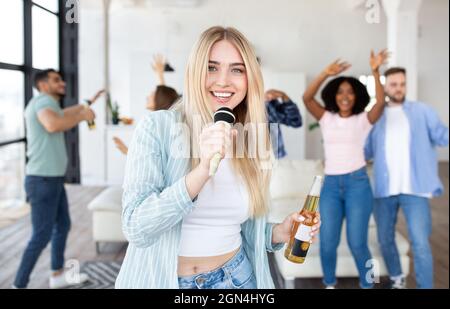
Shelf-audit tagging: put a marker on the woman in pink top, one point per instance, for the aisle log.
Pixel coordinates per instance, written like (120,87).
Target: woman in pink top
(346,191)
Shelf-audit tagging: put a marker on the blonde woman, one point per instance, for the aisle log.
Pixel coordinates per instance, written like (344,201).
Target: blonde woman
(185,228)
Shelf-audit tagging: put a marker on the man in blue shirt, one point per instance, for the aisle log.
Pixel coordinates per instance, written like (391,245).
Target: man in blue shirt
(46,122)
(281,110)
(402,144)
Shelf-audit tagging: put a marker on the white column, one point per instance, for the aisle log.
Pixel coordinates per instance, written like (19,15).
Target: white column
(403,34)
(106,10)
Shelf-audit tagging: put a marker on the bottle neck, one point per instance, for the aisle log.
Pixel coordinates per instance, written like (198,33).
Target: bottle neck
(311,203)
(316,186)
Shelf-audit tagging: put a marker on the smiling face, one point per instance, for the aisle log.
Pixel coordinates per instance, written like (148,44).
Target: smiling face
(53,85)
(345,99)
(396,87)
(226,81)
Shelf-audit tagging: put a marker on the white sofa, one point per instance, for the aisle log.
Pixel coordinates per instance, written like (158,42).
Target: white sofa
(106,216)
(290,184)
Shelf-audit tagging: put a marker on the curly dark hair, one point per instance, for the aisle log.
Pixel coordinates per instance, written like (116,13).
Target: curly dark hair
(362,98)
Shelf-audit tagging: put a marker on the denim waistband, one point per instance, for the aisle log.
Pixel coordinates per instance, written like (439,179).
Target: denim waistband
(358,171)
(46,178)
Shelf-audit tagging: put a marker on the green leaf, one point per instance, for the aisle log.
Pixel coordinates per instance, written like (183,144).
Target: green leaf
(313,126)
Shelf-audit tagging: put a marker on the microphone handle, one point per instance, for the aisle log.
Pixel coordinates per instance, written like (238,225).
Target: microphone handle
(215,160)
(214,164)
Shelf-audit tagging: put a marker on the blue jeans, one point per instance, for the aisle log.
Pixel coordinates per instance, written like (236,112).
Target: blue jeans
(418,219)
(50,221)
(237,273)
(346,196)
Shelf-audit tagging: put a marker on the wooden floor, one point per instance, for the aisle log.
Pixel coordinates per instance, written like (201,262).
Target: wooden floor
(80,246)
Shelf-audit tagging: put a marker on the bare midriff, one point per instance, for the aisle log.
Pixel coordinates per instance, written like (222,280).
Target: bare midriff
(189,266)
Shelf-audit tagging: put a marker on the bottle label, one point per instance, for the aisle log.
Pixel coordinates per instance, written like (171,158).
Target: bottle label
(303,233)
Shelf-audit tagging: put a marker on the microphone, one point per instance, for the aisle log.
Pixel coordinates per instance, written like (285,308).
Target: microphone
(226,115)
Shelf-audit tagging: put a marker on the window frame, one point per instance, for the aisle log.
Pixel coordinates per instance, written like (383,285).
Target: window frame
(67,50)
(27,67)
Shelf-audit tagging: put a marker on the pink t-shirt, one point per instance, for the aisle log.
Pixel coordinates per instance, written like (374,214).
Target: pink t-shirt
(343,140)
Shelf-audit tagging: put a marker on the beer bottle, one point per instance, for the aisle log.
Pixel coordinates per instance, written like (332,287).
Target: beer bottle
(301,231)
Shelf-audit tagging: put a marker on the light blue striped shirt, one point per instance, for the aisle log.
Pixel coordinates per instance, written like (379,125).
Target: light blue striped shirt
(155,200)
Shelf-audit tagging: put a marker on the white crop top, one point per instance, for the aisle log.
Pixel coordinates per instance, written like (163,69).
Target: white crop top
(214,225)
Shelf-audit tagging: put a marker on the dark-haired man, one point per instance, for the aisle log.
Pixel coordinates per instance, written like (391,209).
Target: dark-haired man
(46,122)
(402,145)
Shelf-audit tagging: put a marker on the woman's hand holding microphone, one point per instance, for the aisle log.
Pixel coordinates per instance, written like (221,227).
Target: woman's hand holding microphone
(214,139)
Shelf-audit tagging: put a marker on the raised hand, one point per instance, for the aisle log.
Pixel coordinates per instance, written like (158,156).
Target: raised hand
(158,63)
(337,67)
(97,95)
(269,96)
(376,61)
(120,145)
(274,94)
(158,66)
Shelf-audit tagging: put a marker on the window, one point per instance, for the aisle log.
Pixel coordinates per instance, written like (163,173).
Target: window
(45,39)
(11,32)
(12,173)
(26,47)
(11,105)
(369,82)
(51,5)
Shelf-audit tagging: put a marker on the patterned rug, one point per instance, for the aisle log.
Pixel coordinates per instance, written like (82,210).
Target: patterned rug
(102,275)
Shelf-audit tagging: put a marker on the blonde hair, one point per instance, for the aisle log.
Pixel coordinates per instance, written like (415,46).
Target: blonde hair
(251,111)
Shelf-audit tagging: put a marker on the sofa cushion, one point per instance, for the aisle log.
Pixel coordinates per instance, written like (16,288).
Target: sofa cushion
(280,208)
(107,226)
(293,179)
(109,199)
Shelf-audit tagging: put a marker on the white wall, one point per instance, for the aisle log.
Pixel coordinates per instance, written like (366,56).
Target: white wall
(433,59)
(290,36)
(92,142)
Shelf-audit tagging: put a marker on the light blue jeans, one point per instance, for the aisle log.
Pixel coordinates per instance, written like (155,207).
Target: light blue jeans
(237,273)
(418,218)
(346,196)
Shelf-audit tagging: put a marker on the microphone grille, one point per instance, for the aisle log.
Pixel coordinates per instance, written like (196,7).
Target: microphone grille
(224,114)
